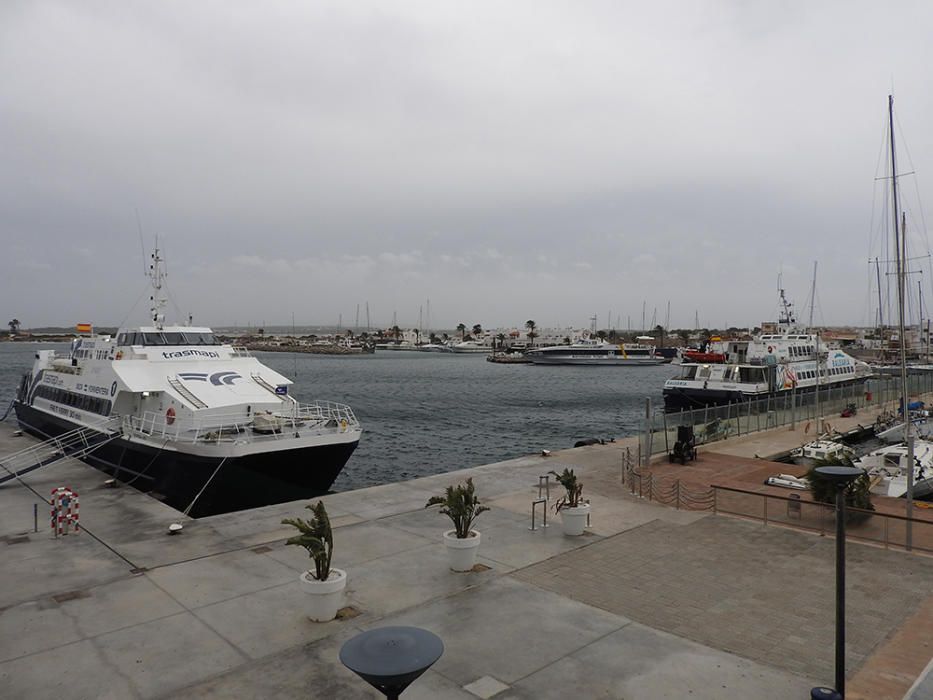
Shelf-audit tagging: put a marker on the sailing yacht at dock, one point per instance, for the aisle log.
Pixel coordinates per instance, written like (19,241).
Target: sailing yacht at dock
(200,424)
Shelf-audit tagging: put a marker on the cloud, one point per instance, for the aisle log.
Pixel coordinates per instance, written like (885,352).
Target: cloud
(505,161)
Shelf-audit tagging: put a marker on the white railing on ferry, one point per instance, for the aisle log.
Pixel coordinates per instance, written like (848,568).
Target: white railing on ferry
(320,418)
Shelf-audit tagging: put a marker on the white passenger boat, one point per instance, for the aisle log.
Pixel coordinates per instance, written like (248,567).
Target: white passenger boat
(887,469)
(821,449)
(201,424)
(770,364)
(592,351)
(470,346)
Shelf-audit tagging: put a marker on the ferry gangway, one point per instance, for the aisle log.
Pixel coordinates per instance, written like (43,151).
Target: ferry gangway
(77,443)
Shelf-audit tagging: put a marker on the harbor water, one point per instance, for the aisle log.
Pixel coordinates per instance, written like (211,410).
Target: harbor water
(429,413)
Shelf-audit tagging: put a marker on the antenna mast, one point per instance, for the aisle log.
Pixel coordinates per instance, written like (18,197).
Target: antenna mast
(157,300)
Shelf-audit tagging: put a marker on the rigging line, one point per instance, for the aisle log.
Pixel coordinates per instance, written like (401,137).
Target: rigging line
(133,307)
(906,148)
(207,483)
(151,462)
(874,199)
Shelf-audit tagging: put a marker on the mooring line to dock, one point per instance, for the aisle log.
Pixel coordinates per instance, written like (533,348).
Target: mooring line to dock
(206,484)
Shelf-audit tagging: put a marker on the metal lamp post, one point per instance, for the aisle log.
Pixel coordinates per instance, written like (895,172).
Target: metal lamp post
(840,477)
(391,658)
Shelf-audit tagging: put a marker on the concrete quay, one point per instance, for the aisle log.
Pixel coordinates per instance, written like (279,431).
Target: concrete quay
(651,602)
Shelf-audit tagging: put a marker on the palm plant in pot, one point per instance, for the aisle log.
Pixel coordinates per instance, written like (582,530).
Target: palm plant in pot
(571,506)
(461,505)
(324,584)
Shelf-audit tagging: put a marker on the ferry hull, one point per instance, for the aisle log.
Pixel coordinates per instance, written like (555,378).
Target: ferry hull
(599,362)
(176,478)
(689,398)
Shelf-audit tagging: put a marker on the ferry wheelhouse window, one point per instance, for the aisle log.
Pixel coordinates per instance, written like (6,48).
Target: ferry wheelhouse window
(171,338)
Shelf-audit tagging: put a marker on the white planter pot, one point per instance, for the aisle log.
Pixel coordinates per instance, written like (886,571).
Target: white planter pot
(574,519)
(462,553)
(324,598)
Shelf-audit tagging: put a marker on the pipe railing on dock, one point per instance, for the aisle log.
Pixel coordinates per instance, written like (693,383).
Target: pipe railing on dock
(714,423)
(885,529)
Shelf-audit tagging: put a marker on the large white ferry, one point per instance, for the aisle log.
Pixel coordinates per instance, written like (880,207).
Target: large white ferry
(200,424)
(770,364)
(593,351)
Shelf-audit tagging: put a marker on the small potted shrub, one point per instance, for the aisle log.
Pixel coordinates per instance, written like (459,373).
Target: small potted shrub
(324,584)
(573,510)
(461,505)
(858,492)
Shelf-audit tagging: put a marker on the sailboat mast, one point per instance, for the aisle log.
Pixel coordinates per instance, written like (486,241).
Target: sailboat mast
(900,246)
(880,308)
(812,296)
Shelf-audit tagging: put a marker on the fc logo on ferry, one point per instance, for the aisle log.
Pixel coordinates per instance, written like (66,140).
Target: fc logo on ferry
(217,378)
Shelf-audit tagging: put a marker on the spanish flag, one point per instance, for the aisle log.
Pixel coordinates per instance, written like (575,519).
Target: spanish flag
(84,328)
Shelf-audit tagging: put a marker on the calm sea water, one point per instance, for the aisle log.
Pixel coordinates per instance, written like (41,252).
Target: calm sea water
(427,413)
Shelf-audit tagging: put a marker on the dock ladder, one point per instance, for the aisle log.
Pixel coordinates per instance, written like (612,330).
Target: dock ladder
(76,443)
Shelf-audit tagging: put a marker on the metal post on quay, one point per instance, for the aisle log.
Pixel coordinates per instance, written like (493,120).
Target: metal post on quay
(840,477)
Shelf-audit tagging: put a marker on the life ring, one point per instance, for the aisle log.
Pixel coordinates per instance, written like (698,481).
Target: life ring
(170,416)
(119,354)
(770,349)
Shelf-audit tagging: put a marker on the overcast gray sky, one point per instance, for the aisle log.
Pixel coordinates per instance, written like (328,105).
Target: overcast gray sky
(506,160)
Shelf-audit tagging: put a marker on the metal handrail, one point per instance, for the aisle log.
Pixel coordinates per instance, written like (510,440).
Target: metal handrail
(824,509)
(323,417)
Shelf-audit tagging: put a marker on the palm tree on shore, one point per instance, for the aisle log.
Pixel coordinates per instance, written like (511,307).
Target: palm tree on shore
(462,328)
(14,326)
(531,325)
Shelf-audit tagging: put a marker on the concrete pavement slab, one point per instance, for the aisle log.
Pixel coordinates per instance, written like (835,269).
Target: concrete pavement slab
(312,671)
(44,566)
(481,639)
(639,663)
(77,670)
(267,621)
(164,655)
(221,577)
(384,586)
(34,626)
(46,622)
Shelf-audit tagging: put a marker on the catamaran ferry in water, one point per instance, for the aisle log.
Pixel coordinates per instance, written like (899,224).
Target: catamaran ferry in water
(593,351)
(771,364)
(200,424)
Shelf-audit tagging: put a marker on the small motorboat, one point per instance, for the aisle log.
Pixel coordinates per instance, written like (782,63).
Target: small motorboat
(788,481)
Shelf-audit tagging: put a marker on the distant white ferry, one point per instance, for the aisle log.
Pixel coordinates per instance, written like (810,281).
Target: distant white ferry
(177,413)
(591,351)
(471,346)
(771,364)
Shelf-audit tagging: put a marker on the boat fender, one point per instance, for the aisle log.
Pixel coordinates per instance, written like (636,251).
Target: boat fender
(770,348)
(119,354)
(170,416)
